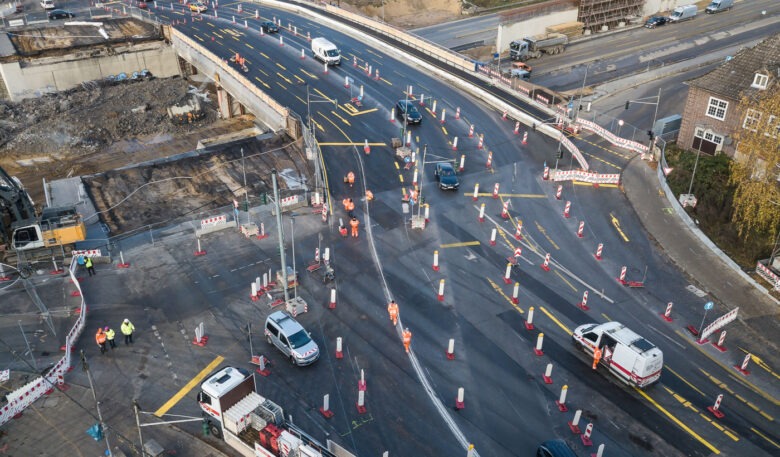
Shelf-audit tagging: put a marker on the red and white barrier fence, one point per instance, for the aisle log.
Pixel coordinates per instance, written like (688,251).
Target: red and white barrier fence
(585,176)
(612,138)
(769,275)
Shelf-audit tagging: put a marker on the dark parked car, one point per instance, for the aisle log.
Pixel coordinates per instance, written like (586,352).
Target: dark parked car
(655,21)
(554,448)
(60,14)
(269,27)
(406,110)
(446,176)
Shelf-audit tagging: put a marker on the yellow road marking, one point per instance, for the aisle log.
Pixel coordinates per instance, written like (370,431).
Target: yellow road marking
(263,72)
(209,23)
(606,317)
(471,194)
(401,178)
(300,99)
(606,162)
(264,55)
(319,92)
(220,37)
(444,130)
(249,46)
(544,232)
(583,183)
(554,319)
(566,281)
(386,81)
(616,224)
(189,386)
(262,82)
(677,421)
(310,75)
(764,437)
(767,416)
(198,37)
(281,85)
(397,167)
(299,78)
(760,362)
(280,66)
(351,144)
(352,111)
(340,118)
(685,381)
(497,288)
(287,80)
(460,245)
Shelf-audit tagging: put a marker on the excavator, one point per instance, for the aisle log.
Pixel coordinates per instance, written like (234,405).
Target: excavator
(26,234)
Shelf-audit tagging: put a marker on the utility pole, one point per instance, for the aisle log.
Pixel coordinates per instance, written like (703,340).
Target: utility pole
(280,231)
(85,367)
(246,191)
(137,408)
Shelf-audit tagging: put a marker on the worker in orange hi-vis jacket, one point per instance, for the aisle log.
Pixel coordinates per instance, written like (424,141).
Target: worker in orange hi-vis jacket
(369,195)
(407,339)
(596,357)
(354,223)
(351,178)
(392,310)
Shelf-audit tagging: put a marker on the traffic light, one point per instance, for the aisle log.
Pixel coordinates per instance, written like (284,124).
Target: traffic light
(650,134)
(627,103)
(560,153)
(533,126)
(264,198)
(245,206)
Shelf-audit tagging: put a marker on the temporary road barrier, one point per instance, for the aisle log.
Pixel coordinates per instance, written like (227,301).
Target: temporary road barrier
(547,376)
(519,231)
(495,190)
(451,349)
(476,192)
(586,176)
(586,441)
(507,274)
(361,402)
(525,138)
(743,368)
(481,141)
(561,401)
(339,352)
(567,209)
(516,293)
(559,192)
(505,210)
(435,260)
(493,237)
(482,212)
(574,425)
(721,340)
(538,349)
(325,409)
(581,229)
(599,250)
(332,303)
(546,264)
(489,162)
(622,277)
(529,321)
(517,128)
(459,403)
(471,131)
(714,409)
(583,305)
(667,315)
(546,173)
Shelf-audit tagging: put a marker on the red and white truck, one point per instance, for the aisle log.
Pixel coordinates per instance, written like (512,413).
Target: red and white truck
(252,424)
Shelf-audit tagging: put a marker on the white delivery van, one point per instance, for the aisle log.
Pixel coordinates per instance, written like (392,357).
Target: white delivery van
(326,51)
(683,13)
(719,5)
(47,4)
(629,357)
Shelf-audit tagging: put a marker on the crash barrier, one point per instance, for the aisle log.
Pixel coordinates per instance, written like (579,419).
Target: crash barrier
(214,224)
(574,151)
(495,74)
(612,138)
(23,397)
(585,176)
(768,274)
(290,203)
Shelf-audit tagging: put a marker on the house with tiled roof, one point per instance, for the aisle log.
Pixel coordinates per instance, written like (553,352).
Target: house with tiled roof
(713,114)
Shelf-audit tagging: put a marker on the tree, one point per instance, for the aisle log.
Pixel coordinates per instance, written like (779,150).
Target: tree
(756,167)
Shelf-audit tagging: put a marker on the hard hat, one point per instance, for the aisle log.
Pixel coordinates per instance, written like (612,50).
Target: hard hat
(106,329)
(127,321)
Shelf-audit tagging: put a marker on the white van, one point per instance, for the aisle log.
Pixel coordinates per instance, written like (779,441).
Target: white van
(326,51)
(629,357)
(47,4)
(683,13)
(719,5)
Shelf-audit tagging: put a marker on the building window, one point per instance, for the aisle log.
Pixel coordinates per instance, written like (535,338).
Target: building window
(752,118)
(708,135)
(773,126)
(717,108)
(760,81)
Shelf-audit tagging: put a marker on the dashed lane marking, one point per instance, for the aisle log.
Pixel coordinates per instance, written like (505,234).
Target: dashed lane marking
(262,82)
(590,184)
(497,288)
(566,281)
(189,386)
(554,319)
(684,380)
(764,437)
(459,245)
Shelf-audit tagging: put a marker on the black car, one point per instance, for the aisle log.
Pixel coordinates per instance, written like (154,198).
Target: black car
(60,14)
(446,176)
(554,448)
(269,27)
(655,21)
(406,110)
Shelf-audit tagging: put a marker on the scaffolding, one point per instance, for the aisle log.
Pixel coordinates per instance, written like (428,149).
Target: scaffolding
(597,13)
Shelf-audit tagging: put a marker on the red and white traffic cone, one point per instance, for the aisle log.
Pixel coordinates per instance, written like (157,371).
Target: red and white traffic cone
(517,128)
(667,315)
(505,210)
(546,264)
(409,138)
(346,85)
(303,53)
(457,113)
(422,99)
(495,190)
(622,277)
(567,209)
(354,61)
(414,177)
(583,305)
(599,250)
(585,437)
(581,229)
(529,321)
(471,131)
(519,231)
(721,341)
(489,162)
(546,173)
(481,143)
(525,138)
(503,116)
(376,75)
(714,409)
(559,192)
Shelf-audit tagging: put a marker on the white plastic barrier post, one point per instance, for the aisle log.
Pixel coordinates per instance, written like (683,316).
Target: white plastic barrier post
(667,315)
(435,260)
(548,374)
(585,437)
(339,353)
(516,293)
(476,192)
(482,213)
(561,402)
(332,303)
(254,292)
(325,410)
(508,274)
(414,177)
(599,250)
(538,349)
(459,403)
(441,290)
(574,425)
(455,145)
(600,451)
(462,166)
(361,403)
(493,237)
(451,349)
(443,115)
(529,321)
(362,381)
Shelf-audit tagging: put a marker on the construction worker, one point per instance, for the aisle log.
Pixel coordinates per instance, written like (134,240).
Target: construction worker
(354,223)
(350,208)
(100,339)
(127,329)
(350,179)
(369,195)
(345,202)
(407,339)
(596,357)
(238,58)
(392,310)
(413,195)
(110,334)
(90,267)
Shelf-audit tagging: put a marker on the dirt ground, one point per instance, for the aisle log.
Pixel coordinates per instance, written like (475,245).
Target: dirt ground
(408,13)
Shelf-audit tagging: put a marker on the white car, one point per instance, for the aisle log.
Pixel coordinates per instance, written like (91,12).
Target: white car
(47,4)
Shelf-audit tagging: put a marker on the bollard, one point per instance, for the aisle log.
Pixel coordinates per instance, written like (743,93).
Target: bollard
(559,192)
(324,67)
(362,381)
(392,114)
(414,177)
(505,210)
(583,305)
(200,337)
(507,274)
(259,284)
(503,116)
(376,75)
(121,264)
(433,110)
(326,256)
(471,131)
(451,349)
(262,369)
(516,293)
(422,99)
(3,276)
(566,209)
(354,61)
(435,260)
(462,161)
(455,144)
(482,212)
(495,190)
(265,281)
(361,403)
(721,339)
(585,437)
(360,96)
(427,213)
(443,113)
(525,138)
(519,231)
(332,303)
(324,213)
(459,404)
(303,53)
(409,138)
(581,229)
(489,162)
(546,173)
(254,292)
(622,277)
(599,249)
(599,452)
(339,353)
(366,147)
(457,113)
(441,290)
(743,368)
(714,408)
(538,349)
(547,376)
(561,402)
(493,237)
(546,265)
(262,235)
(529,321)
(476,192)
(481,141)
(325,410)
(667,315)
(574,425)
(517,128)
(281,40)
(200,251)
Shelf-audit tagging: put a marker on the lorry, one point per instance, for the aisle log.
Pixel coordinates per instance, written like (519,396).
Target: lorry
(24,230)
(719,5)
(683,13)
(326,51)
(629,357)
(533,46)
(252,424)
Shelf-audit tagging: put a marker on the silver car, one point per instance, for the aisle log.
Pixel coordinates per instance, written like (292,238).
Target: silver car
(284,332)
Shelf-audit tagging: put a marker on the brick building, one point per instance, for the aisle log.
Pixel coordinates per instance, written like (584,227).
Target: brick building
(713,113)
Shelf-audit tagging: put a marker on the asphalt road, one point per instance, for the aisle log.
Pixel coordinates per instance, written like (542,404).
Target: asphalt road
(509,410)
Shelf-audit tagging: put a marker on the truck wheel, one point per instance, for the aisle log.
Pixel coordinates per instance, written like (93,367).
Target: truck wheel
(215,430)
(577,345)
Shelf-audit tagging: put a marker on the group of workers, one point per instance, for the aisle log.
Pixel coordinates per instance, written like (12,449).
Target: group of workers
(349,207)
(392,310)
(240,61)
(105,336)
